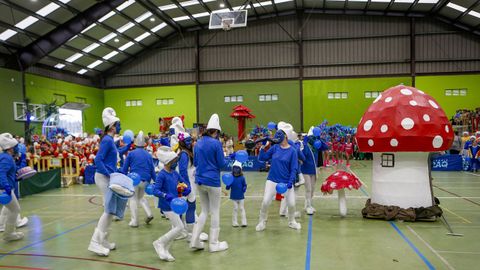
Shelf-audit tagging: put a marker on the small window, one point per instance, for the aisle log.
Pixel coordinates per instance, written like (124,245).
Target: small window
(275,97)
(128,103)
(456,92)
(268,97)
(368,94)
(81,100)
(388,160)
(330,96)
(171,101)
(448,92)
(261,97)
(60,99)
(344,95)
(463,92)
(134,103)
(338,95)
(139,102)
(375,94)
(227,99)
(233,99)
(239,98)
(165,101)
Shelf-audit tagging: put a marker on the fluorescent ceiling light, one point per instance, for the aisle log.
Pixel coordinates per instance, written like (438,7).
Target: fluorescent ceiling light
(125,27)
(108,37)
(380,1)
(182,18)
(88,28)
(199,15)
(74,57)
(7,34)
(82,71)
(91,47)
(158,27)
(189,3)
(474,14)
(262,4)
(126,46)
(26,22)
(167,7)
(47,9)
(357,0)
(282,1)
(125,5)
(59,66)
(142,36)
(405,1)
(110,55)
(143,17)
(94,64)
(108,15)
(428,1)
(65,1)
(456,7)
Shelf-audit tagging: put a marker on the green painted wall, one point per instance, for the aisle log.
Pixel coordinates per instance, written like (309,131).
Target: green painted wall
(436,85)
(41,90)
(10,91)
(287,108)
(146,117)
(317,106)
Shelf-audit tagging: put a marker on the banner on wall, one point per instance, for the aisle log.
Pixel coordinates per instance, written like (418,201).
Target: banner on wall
(252,164)
(447,163)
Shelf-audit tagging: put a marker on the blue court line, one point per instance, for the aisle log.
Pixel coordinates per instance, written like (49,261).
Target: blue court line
(309,243)
(50,238)
(424,259)
(364,191)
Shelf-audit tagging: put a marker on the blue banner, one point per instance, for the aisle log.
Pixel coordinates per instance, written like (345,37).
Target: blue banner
(447,163)
(252,164)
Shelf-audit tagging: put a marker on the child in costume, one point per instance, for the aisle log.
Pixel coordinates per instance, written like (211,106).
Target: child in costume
(237,194)
(474,154)
(348,149)
(166,190)
(309,170)
(140,161)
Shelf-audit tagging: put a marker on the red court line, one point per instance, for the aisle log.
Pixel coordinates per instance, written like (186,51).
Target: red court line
(454,194)
(21,267)
(78,259)
(92,202)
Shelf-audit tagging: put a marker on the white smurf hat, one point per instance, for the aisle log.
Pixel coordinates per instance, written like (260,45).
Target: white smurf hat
(109,116)
(165,154)
(214,122)
(140,139)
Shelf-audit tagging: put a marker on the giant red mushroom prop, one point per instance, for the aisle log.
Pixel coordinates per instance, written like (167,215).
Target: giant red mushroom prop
(241,113)
(401,127)
(339,181)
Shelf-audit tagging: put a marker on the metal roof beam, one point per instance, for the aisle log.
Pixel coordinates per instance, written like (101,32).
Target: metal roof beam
(205,6)
(228,4)
(187,13)
(473,6)
(148,5)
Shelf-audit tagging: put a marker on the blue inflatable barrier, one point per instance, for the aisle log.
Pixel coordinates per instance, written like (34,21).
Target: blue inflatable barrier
(252,164)
(448,163)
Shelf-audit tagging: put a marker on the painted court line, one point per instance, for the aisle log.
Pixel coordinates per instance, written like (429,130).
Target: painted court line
(309,244)
(458,252)
(457,215)
(405,238)
(21,267)
(431,248)
(478,175)
(454,194)
(47,239)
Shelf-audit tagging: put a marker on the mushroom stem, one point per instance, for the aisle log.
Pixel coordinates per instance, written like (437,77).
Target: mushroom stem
(342,202)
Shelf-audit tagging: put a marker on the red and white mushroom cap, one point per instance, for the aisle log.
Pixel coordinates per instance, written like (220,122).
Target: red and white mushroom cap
(404,119)
(340,180)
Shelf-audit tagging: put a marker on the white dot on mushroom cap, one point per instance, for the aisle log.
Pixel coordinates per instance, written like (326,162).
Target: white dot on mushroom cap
(345,177)
(437,141)
(407,123)
(394,142)
(426,117)
(420,91)
(388,99)
(367,125)
(370,142)
(384,128)
(378,98)
(413,103)
(447,129)
(406,92)
(434,105)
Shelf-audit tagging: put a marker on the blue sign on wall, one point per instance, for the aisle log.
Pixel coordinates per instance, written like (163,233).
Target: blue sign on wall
(447,163)
(252,164)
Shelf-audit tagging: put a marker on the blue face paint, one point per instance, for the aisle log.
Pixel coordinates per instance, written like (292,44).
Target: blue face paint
(117,128)
(174,164)
(236,171)
(188,142)
(279,136)
(16,150)
(172,131)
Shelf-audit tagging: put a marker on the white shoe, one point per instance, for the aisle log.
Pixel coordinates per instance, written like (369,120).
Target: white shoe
(215,245)
(182,235)
(260,226)
(203,236)
(195,241)
(133,224)
(107,244)
(96,245)
(22,222)
(301,180)
(235,224)
(294,225)
(309,210)
(13,236)
(2,228)
(297,214)
(160,249)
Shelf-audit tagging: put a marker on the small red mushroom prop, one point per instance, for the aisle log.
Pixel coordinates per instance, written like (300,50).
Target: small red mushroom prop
(400,127)
(339,181)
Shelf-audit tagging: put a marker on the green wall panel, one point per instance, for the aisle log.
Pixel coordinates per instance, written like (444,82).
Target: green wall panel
(317,107)
(41,90)
(10,91)
(287,108)
(146,117)
(436,85)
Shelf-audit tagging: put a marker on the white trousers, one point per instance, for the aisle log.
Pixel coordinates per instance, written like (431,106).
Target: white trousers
(239,205)
(105,220)
(10,211)
(269,194)
(310,180)
(139,198)
(210,202)
(176,228)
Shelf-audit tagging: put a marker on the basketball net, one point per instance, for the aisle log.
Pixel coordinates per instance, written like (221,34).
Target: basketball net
(227,24)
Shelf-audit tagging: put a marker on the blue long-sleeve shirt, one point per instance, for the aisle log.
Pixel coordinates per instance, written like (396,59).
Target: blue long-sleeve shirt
(8,171)
(283,163)
(209,160)
(309,165)
(238,188)
(183,162)
(141,162)
(166,183)
(106,159)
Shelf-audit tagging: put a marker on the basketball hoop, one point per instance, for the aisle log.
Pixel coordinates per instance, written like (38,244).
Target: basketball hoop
(227,24)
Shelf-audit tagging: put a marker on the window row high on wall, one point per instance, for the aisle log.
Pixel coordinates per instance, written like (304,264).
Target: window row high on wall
(158,102)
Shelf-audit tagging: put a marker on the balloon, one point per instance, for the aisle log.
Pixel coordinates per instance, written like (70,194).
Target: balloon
(5,198)
(271,125)
(128,134)
(179,206)
(317,144)
(281,188)
(316,131)
(227,179)
(241,156)
(149,189)
(135,178)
